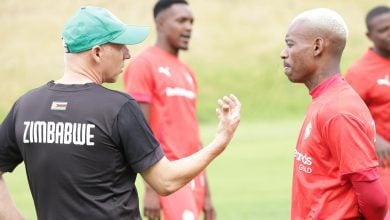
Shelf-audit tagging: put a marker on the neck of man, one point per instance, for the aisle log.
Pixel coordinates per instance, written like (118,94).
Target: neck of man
(327,70)
(71,77)
(382,53)
(79,72)
(164,45)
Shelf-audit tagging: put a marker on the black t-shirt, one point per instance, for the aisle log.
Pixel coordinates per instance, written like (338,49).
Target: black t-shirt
(82,146)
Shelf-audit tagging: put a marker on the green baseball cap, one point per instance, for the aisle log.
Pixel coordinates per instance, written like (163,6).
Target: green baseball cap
(92,26)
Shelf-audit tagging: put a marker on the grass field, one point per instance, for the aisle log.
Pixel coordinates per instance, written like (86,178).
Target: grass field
(235,48)
(250,181)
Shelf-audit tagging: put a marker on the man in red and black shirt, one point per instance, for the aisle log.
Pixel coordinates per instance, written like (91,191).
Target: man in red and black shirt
(370,77)
(335,166)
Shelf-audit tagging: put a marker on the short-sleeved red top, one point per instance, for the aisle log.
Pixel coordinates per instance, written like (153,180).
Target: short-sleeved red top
(170,87)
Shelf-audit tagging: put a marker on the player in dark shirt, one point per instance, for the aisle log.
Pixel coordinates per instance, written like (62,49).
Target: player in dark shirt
(83,144)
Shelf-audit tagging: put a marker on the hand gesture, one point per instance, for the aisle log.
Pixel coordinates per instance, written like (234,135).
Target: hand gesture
(228,113)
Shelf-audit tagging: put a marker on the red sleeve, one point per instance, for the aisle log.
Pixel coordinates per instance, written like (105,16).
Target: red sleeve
(138,80)
(351,141)
(371,196)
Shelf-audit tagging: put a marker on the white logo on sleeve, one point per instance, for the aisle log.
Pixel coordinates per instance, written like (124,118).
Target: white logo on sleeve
(164,70)
(307,130)
(385,81)
(189,78)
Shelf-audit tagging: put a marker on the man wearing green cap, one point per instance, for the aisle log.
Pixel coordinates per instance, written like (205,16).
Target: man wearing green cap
(83,144)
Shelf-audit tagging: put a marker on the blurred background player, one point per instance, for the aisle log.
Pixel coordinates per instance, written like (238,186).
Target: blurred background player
(370,77)
(166,89)
(335,175)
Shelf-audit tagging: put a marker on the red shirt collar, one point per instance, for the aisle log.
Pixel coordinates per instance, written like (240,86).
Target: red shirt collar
(324,85)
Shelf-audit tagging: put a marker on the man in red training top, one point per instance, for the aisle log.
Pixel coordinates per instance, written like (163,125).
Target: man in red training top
(370,77)
(166,89)
(335,166)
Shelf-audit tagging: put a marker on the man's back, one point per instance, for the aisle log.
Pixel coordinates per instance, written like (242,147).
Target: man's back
(74,154)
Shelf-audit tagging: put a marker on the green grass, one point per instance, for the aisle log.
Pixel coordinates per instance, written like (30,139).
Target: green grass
(250,180)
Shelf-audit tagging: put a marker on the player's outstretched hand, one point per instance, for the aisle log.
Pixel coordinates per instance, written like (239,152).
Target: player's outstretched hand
(228,113)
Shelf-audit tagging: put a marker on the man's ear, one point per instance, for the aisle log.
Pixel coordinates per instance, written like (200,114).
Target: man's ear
(318,46)
(96,53)
(159,21)
(368,34)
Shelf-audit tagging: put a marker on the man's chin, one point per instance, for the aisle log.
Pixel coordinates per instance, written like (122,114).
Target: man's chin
(291,78)
(183,46)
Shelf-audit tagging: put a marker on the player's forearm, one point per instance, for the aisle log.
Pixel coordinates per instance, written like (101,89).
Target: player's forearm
(371,198)
(188,168)
(175,174)
(7,207)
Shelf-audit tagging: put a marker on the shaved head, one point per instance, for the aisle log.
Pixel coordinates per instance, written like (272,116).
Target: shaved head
(326,20)
(324,23)
(315,41)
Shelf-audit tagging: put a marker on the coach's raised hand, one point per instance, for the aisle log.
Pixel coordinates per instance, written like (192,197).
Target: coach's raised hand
(228,113)
(167,176)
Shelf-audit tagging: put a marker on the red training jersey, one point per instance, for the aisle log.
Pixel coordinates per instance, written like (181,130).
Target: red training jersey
(370,77)
(170,87)
(336,139)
